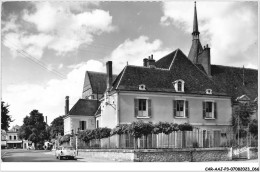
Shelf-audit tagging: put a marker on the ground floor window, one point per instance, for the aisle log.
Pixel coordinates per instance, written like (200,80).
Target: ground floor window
(82,125)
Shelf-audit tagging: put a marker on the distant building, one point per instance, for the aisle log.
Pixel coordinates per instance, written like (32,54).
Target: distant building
(12,140)
(3,139)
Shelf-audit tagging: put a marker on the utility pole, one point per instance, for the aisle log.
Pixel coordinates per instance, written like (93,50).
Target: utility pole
(238,126)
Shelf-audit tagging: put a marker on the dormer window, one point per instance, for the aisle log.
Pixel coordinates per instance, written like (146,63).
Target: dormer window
(208,91)
(142,87)
(179,85)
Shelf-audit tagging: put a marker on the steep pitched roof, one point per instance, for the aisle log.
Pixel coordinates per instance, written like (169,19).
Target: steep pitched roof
(84,107)
(166,61)
(96,81)
(231,79)
(195,49)
(195,20)
(156,79)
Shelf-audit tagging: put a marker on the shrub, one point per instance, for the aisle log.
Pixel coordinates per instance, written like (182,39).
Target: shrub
(120,129)
(86,135)
(185,127)
(65,138)
(174,127)
(105,132)
(100,133)
(165,127)
(139,128)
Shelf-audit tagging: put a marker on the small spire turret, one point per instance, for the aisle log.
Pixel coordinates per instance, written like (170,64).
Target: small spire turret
(195,22)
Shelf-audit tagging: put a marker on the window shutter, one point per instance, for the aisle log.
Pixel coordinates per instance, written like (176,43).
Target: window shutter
(149,107)
(85,125)
(80,125)
(187,109)
(204,109)
(215,110)
(174,107)
(136,107)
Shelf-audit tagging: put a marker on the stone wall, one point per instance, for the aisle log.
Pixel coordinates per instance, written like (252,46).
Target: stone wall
(163,156)
(211,154)
(160,155)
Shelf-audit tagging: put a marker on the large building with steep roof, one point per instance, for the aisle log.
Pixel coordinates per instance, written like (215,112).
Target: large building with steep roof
(176,88)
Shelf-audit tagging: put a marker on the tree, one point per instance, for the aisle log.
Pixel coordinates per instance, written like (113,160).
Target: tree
(253,128)
(57,126)
(241,118)
(5,118)
(34,128)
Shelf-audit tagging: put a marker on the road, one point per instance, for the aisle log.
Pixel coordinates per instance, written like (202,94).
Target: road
(21,155)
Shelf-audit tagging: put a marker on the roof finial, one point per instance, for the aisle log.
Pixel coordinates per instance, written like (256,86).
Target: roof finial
(195,21)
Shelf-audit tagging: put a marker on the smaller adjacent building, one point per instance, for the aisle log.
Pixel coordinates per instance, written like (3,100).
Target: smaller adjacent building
(81,115)
(12,140)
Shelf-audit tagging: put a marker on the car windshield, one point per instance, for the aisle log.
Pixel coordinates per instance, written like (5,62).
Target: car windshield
(68,148)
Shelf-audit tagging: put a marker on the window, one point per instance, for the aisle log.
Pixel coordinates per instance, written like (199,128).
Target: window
(180,108)
(179,85)
(97,123)
(10,137)
(209,110)
(142,104)
(82,125)
(14,137)
(142,108)
(142,87)
(208,91)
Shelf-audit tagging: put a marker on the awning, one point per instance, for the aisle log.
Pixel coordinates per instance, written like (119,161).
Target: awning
(14,141)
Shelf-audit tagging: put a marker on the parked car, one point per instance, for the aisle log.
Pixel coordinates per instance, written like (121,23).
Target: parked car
(65,151)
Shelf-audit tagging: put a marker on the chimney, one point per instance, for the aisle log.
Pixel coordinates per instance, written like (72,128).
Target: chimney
(109,75)
(66,105)
(205,60)
(151,61)
(145,62)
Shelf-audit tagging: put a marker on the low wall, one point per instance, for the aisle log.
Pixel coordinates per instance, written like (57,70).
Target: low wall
(160,155)
(109,154)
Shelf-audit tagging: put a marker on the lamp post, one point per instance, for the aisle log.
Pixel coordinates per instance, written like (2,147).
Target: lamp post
(77,140)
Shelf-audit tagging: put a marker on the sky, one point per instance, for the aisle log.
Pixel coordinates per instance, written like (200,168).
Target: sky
(48,46)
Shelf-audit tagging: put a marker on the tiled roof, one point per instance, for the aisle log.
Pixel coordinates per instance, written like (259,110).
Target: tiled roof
(201,68)
(195,49)
(231,79)
(96,81)
(84,107)
(165,62)
(155,79)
